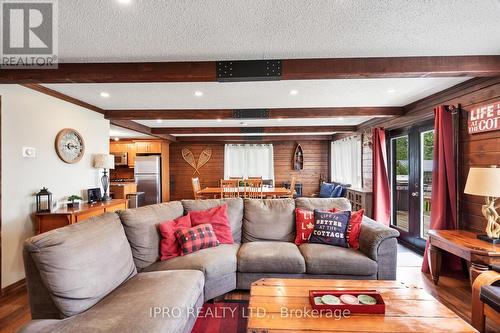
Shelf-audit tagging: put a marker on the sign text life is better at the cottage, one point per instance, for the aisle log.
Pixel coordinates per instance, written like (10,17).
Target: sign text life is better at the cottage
(484,118)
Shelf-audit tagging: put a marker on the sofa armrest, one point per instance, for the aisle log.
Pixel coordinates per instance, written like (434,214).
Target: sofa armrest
(372,235)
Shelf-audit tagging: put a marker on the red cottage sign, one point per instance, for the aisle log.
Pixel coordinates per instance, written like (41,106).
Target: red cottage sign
(484,118)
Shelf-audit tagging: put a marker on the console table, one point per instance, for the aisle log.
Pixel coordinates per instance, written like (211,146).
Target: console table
(65,216)
(464,244)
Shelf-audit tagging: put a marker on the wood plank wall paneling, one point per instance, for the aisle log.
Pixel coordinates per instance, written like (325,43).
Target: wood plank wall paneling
(315,165)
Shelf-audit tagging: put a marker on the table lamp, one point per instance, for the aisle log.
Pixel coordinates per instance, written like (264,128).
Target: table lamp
(104,161)
(486,182)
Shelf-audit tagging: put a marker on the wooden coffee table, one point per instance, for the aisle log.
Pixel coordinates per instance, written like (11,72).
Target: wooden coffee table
(408,309)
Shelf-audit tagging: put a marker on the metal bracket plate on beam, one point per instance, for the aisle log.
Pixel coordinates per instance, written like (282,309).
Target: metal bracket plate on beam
(248,70)
(251,114)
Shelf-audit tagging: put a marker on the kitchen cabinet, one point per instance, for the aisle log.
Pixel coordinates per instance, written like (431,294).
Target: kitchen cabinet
(148,147)
(120,190)
(117,147)
(131,153)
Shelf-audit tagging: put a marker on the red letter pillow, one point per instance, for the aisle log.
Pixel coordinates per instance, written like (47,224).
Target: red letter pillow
(304,221)
(217,217)
(169,247)
(354,228)
(196,238)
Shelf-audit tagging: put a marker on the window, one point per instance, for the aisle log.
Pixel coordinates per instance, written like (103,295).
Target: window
(249,160)
(346,161)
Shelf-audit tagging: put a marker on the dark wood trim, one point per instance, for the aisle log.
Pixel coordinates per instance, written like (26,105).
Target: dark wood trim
(277,113)
(274,129)
(1,273)
(69,99)
(292,69)
(132,125)
(13,288)
(253,138)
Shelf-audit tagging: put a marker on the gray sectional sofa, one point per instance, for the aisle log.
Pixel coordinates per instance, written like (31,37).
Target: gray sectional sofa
(104,274)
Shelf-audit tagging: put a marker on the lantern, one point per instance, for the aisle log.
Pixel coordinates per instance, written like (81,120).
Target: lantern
(43,201)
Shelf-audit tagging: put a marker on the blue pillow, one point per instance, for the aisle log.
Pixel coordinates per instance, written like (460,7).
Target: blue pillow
(337,192)
(326,190)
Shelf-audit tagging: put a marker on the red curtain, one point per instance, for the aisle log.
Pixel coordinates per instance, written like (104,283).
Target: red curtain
(381,194)
(443,200)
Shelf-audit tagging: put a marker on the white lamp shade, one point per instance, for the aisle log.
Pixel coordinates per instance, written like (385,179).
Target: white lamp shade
(104,161)
(483,181)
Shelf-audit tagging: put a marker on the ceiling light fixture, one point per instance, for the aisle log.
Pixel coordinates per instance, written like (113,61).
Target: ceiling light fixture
(279,119)
(117,139)
(104,94)
(198,93)
(219,120)
(391,90)
(124,2)
(159,121)
(294,92)
(243,123)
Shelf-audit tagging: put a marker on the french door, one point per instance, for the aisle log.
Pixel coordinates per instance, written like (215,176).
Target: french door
(411,152)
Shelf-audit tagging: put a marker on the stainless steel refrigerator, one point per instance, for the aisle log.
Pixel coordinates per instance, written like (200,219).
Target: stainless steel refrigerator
(147,173)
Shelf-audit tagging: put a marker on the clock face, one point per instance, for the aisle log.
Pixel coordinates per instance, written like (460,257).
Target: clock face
(70,145)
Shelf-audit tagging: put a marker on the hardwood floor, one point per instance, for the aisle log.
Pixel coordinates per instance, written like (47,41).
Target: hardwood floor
(454,292)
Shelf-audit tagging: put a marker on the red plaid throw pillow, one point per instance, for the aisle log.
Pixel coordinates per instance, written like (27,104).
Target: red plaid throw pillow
(196,238)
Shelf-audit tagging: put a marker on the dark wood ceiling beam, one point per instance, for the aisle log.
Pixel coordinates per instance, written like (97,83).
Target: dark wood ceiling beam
(133,126)
(283,113)
(234,130)
(292,69)
(69,99)
(253,138)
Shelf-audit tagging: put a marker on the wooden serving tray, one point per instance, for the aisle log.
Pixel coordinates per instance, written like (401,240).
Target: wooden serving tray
(378,308)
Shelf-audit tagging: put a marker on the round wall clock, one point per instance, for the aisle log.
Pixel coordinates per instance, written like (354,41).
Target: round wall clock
(70,146)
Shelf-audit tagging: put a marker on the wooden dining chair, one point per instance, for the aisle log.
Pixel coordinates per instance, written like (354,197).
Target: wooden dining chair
(256,177)
(253,189)
(195,182)
(229,188)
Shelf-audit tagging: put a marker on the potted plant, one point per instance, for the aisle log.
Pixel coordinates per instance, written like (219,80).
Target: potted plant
(72,201)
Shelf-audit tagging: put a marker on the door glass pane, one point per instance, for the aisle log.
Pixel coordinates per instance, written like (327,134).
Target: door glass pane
(401,172)
(426,157)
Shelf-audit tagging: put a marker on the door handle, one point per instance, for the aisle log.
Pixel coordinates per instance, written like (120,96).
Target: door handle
(414,194)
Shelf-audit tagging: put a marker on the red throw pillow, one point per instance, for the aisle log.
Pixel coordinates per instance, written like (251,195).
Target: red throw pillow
(354,228)
(169,247)
(196,238)
(304,221)
(217,217)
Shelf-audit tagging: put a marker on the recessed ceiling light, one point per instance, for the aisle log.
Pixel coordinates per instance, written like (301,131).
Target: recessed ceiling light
(124,2)
(279,119)
(159,121)
(219,120)
(294,92)
(117,139)
(391,90)
(104,94)
(198,93)
(243,123)
(340,118)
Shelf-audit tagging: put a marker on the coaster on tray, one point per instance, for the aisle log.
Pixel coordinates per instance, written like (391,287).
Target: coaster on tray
(318,301)
(330,300)
(349,299)
(367,300)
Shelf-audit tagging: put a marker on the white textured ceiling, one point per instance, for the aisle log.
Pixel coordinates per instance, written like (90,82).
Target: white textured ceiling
(268,94)
(119,132)
(181,30)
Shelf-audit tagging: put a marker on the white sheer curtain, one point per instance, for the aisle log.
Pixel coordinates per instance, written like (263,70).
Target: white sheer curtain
(346,161)
(249,160)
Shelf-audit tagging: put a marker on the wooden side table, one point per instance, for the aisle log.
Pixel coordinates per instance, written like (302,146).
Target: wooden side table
(464,244)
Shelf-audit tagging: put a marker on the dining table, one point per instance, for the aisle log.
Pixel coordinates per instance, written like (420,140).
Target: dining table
(266,191)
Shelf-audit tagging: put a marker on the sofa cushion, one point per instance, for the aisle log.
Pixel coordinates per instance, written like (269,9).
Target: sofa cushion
(234,211)
(269,220)
(270,257)
(323,203)
(98,245)
(138,305)
(326,259)
(141,227)
(213,262)
(326,190)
